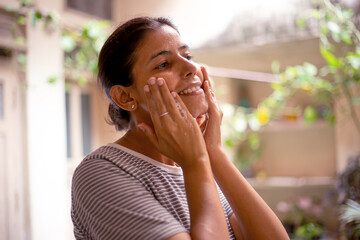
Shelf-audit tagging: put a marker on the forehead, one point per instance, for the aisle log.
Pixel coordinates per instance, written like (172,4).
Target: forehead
(163,38)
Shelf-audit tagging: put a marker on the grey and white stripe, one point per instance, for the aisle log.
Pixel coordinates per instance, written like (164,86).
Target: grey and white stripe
(120,194)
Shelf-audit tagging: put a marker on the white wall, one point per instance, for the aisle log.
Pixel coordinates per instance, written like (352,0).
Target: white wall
(46,132)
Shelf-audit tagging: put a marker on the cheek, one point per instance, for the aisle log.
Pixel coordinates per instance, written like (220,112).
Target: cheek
(170,79)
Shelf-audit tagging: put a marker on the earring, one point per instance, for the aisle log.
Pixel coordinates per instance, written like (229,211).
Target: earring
(133,106)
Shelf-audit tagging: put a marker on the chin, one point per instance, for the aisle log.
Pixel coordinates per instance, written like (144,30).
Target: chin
(198,110)
(197,105)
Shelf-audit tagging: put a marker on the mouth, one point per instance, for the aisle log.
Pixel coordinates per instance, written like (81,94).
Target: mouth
(193,89)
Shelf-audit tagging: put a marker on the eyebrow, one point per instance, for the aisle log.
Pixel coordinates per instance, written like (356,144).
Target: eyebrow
(167,52)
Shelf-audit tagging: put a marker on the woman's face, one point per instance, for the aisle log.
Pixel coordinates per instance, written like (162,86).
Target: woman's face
(163,54)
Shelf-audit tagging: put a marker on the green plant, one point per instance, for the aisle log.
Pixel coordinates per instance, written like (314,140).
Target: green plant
(339,44)
(81,45)
(239,131)
(348,196)
(350,216)
(340,78)
(302,217)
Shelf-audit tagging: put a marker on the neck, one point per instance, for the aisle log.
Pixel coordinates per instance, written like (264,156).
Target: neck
(136,140)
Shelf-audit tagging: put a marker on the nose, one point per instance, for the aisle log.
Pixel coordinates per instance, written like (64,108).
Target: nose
(189,69)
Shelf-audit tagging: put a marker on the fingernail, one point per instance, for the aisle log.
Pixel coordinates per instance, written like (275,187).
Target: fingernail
(159,81)
(146,88)
(173,94)
(141,128)
(207,83)
(151,81)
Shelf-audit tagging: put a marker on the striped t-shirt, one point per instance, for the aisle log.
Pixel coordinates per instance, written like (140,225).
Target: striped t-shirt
(118,193)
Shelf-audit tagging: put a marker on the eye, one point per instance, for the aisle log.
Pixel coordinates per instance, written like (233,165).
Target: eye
(189,57)
(162,65)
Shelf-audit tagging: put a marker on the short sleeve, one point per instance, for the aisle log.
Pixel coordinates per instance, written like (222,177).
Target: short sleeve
(108,203)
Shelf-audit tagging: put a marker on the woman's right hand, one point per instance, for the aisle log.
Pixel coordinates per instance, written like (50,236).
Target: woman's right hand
(176,134)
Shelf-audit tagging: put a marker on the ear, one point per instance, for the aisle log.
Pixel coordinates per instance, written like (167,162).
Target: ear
(120,95)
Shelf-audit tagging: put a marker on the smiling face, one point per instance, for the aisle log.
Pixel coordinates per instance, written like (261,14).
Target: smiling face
(163,54)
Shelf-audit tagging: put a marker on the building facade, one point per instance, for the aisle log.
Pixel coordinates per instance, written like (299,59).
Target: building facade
(45,129)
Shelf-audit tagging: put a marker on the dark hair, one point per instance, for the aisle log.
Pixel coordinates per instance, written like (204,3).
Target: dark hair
(116,60)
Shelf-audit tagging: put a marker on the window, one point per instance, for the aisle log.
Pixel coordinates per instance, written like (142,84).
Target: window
(68,126)
(78,123)
(99,8)
(1,100)
(86,123)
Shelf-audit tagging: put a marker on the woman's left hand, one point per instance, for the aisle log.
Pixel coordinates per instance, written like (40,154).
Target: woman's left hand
(212,134)
(175,132)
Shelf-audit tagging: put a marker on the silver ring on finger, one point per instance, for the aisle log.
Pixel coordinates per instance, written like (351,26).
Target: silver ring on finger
(164,114)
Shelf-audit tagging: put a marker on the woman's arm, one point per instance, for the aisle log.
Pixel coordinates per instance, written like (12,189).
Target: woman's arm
(256,219)
(177,136)
(253,216)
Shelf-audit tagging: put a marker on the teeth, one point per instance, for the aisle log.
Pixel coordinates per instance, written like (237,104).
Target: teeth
(190,90)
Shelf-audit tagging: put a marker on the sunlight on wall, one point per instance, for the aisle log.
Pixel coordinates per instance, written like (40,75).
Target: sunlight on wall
(202,20)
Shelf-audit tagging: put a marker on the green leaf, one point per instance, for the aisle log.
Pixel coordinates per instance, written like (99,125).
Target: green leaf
(347,13)
(67,43)
(229,143)
(315,13)
(333,27)
(21,20)
(68,62)
(34,18)
(94,31)
(52,80)
(310,114)
(25,2)
(38,15)
(22,58)
(329,57)
(301,22)
(310,69)
(329,116)
(277,87)
(346,37)
(20,41)
(254,141)
(291,72)
(328,17)
(355,100)
(336,37)
(324,29)
(81,80)
(9,9)
(275,67)
(354,61)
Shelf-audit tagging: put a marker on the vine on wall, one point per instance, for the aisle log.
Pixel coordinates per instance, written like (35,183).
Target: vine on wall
(81,46)
(339,45)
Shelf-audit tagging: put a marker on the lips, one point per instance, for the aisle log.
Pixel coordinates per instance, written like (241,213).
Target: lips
(193,88)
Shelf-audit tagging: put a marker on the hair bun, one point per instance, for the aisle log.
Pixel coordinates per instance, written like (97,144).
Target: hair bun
(118,117)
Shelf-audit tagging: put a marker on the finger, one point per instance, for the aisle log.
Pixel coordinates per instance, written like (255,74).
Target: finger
(181,107)
(149,132)
(210,95)
(156,96)
(152,107)
(206,78)
(169,101)
(204,73)
(214,108)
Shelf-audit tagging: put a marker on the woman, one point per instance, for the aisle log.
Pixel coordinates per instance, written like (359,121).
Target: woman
(157,181)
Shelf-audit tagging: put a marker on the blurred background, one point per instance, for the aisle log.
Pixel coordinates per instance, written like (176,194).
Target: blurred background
(286,73)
